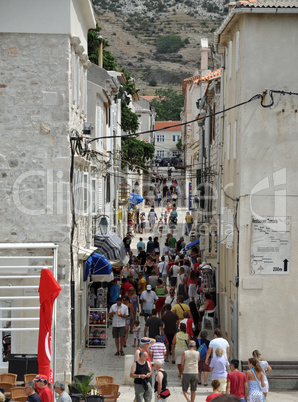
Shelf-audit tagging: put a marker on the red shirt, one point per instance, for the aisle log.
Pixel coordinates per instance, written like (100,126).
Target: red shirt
(125,288)
(210,305)
(45,394)
(212,396)
(237,380)
(196,266)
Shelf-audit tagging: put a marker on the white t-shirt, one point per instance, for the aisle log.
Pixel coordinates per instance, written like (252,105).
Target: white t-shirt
(175,271)
(169,300)
(148,298)
(152,216)
(165,249)
(119,321)
(162,267)
(184,321)
(219,342)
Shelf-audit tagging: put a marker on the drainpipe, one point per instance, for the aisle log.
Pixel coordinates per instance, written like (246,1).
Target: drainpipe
(219,177)
(207,188)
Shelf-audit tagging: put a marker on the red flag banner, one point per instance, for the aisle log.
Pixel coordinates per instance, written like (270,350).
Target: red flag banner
(49,290)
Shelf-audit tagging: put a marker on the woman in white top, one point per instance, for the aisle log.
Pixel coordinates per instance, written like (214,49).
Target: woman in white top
(175,269)
(127,270)
(265,367)
(180,276)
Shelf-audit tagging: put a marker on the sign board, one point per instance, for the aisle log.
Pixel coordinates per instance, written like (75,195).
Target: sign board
(270,246)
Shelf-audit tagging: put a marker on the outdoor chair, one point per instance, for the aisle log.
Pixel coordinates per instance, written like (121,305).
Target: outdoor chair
(209,315)
(7,381)
(18,394)
(110,392)
(104,379)
(94,398)
(76,398)
(29,377)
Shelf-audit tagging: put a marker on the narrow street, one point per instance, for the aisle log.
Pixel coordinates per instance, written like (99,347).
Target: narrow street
(103,362)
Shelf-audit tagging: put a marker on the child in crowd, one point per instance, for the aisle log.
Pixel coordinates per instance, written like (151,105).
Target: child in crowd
(136,333)
(160,226)
(165,216)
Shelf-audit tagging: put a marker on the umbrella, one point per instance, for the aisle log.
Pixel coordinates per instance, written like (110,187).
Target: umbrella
(49,290)
(98,265)
(111,246)
(135,198)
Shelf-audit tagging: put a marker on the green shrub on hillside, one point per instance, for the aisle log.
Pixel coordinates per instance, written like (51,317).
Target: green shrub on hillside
(169,43)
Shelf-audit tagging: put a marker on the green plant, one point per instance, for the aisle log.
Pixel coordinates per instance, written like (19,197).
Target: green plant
(168,43)
(84,386)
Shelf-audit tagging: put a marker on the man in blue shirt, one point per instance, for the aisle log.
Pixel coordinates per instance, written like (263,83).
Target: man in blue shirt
(141,244)
(114,292)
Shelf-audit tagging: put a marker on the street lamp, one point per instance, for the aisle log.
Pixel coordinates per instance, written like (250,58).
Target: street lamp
(103,225)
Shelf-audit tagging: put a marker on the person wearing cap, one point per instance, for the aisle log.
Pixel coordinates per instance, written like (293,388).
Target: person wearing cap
(119,312)
(44,391)
(190,370)
(145,344)
(59,388)
(32,396)
(161,380)
(149,298)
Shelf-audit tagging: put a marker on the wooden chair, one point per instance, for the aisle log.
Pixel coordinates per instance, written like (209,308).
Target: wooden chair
(110,392)
(7,381)
(104,379)
(18,394)
(29,377)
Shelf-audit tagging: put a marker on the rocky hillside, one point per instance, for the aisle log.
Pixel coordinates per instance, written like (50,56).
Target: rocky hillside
(133,27)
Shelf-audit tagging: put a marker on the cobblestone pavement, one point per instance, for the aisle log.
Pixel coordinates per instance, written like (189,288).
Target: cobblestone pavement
(102,361)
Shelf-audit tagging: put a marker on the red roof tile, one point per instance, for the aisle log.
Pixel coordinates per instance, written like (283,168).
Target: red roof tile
(160,125)
(213,74)
(149,98)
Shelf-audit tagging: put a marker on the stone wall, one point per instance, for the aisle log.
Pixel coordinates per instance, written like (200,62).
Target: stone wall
(35,155)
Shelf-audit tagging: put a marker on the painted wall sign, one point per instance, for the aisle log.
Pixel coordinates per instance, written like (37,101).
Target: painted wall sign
(270,246)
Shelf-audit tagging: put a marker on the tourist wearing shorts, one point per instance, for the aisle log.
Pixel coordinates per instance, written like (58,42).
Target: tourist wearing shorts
(219,366)
(119,312)
(190,370)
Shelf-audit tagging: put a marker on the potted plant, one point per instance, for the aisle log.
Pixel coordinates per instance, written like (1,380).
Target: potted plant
(83,385)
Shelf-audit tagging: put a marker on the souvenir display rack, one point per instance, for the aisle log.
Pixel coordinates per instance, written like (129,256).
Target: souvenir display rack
(97,328)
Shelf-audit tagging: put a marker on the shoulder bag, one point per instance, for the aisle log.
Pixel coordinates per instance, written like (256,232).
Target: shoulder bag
(253,371)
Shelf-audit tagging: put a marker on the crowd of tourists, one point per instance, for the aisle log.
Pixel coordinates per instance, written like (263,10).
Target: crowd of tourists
(167,285)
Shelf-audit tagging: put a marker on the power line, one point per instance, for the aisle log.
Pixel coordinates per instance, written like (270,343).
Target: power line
(255,97)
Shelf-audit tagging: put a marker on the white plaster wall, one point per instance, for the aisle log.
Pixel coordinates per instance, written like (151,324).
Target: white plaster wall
(267,142)
(168,146)
(73,17)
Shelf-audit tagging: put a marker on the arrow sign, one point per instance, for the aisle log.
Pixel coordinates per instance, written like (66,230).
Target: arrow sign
(285,265)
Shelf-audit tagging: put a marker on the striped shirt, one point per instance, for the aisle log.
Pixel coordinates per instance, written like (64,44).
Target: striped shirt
(158,350)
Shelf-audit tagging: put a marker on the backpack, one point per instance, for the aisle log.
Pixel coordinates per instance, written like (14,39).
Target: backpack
(202,349)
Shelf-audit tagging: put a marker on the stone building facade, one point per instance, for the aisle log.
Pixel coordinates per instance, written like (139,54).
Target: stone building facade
(43,91)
